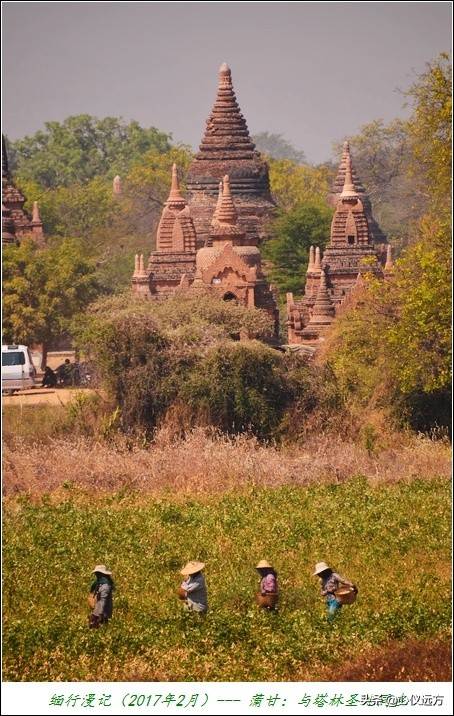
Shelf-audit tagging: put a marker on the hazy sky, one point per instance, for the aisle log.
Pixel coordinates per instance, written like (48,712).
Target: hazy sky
(314,72)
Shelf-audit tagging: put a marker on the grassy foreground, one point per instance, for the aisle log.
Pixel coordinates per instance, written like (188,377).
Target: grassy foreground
(392,540)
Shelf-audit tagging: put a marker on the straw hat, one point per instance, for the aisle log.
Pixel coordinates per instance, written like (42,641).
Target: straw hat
(102,569)
(320,567)
(192,568)
(263,564)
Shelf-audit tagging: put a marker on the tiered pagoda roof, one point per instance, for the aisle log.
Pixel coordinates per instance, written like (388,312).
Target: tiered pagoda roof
(376,234)
(227,148)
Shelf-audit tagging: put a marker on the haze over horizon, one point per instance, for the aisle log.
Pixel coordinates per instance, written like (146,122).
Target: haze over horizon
(313,72)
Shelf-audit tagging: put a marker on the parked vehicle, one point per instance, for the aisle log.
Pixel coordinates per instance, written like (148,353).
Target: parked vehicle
(18,371)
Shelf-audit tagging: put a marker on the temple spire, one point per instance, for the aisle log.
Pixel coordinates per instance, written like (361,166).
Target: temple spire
(317,261)
(389,265)
(175,196)
(310,265)
(36,218)
(226,212)
(117,188)
(218,204)
(349,188)
(226,128)
(323,305)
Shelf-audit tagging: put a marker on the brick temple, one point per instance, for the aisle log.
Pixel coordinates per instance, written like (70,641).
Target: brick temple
(16,222)
(352,251)
(227,148)
(210,240)
(228,265)
(376,234)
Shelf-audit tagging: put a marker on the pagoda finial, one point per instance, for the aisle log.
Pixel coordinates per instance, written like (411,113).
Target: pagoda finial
(310,265)
(117,185)
(36,218)
(389,265)
(349,188)
(218,203)
(175,196)
(136,266)
(317,261)
(226,212)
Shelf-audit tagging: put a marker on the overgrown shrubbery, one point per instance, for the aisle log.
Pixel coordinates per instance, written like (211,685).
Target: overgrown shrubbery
(180,361)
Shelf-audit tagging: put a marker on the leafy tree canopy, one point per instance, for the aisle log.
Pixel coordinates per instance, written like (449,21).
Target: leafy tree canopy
(44,288)
(292,184)
(292,234)
(81,148)
(276,146)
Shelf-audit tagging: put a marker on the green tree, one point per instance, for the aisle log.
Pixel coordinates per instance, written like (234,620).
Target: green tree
(391,347)
(43,289)
(276,146)
(430,131)
(292,233)
(81,148)
(293,184)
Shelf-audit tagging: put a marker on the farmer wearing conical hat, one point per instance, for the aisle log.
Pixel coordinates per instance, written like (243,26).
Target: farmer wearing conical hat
(101,589)
(331,582)
(193,588)
(268,581)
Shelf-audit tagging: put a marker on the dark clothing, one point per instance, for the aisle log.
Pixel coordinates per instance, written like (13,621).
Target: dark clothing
(102,588)
(49,378)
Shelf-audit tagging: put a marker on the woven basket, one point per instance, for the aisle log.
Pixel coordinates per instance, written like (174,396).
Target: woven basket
(181,593)
(346,595)
(267,600)
(91,599)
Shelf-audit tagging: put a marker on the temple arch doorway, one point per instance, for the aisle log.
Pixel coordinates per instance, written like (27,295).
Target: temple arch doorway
(229,296)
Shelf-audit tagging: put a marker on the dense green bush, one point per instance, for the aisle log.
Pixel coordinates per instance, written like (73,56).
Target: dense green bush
(241,387)
(181,361)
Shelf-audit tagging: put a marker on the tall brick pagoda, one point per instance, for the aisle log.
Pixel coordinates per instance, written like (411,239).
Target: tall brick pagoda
(174,258)
(376,234)
(13,209)
(227,148)
(350,253)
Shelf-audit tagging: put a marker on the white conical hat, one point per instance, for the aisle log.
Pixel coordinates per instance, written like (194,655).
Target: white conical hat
(192,568)
(102,569)
(321,567)
(263,564)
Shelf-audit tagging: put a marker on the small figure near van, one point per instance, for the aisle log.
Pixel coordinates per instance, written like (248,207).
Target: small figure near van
(49,378)
(193,590)
(336,589)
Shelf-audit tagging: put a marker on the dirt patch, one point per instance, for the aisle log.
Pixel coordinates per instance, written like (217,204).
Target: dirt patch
(410,660)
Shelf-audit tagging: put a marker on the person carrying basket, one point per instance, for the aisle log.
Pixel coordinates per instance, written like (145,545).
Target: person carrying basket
(336,589)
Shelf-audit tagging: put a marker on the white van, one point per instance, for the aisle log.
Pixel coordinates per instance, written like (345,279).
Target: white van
(18,371)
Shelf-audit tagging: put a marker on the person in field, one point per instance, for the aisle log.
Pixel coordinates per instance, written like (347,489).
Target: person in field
(193,589)
(268,585)
(101,591)
(331,583)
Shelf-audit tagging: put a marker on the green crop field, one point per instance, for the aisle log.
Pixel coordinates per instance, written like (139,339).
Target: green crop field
(392,540)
